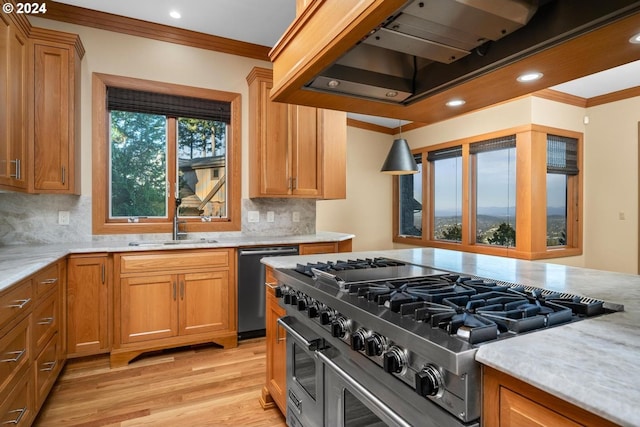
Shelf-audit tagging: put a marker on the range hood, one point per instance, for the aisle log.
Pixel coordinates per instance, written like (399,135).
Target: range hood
(429,46)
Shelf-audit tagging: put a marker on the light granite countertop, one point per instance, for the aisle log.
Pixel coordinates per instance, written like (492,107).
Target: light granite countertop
(20,261)
(593,363)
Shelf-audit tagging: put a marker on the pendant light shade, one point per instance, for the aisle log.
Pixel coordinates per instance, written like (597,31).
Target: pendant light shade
(400,160)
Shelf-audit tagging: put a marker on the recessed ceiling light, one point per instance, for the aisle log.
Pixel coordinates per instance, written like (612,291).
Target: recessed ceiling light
(456,102)
(175,14)
(333,83)
(635,39)
(529,77)
(391,94)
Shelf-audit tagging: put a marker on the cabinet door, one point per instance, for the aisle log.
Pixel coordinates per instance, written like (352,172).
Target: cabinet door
(148,307)
(87,306)
(276,351)
(275,164)
(13,113)
(305,159)
(51,114)
(204,302)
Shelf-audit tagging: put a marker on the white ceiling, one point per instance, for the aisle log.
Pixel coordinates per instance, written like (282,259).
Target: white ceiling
(264,21)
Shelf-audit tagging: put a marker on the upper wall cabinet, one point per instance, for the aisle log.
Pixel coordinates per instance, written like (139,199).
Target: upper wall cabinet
(294,151)
(13,102)
(39,111)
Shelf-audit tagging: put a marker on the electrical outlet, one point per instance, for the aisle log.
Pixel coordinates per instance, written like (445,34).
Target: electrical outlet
(271,216)
(63,217)
(253,216)
(295,217)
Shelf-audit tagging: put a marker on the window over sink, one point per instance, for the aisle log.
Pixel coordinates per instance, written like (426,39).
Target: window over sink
(474,194)
(159,143)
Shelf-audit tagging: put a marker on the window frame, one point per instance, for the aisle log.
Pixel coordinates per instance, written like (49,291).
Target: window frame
(531,209)
(102,224)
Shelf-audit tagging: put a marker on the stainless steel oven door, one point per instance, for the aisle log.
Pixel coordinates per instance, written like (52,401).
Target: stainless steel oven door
(305,377)
(355,397)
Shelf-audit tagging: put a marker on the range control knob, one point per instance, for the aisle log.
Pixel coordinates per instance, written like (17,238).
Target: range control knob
(293,299)
(302,304)
(374,345)
(286,298)
(278,292)
(428,381)
(325,317)
(394,360)
(312,310)
(339,327)
(358,339)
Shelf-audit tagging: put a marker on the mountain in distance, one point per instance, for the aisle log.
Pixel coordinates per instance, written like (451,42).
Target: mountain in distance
(499,211)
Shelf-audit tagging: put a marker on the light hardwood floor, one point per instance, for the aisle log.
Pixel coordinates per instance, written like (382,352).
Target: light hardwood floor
(199,386)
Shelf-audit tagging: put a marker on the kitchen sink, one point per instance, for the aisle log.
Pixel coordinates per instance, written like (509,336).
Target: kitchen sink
(171,242)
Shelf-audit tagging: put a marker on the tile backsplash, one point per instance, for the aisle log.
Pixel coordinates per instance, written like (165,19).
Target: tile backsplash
(29,218)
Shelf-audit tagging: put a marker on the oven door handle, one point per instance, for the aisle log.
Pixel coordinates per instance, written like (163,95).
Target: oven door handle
(288,323)
(358,387)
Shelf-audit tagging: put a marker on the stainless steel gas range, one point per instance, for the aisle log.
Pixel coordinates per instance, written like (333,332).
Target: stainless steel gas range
(381,342)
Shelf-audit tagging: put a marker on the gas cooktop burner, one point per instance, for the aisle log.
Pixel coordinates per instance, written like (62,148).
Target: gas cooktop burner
(475,310)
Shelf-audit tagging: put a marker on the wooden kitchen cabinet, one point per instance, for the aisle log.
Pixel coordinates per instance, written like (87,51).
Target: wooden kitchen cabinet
(14,167)
(509,402)
(275,389)
(170,299)
(39,108)
(88,305)
(56,111)
(295,151)
(31,349)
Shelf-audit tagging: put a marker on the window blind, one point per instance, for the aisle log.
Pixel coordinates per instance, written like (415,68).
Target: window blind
(167,105)
(445,153)
(562,155)
(501,143)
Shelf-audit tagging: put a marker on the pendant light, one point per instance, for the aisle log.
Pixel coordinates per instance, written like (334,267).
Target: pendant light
(400,160)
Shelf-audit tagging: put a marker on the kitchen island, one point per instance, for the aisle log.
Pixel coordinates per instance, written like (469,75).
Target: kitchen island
(591,363)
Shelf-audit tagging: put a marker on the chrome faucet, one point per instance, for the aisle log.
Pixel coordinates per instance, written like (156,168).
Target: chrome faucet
(177,234)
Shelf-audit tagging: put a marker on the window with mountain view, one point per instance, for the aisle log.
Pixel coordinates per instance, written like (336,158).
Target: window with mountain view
(410,202)
(562,169)
(446,167)
(495,192)
(514,193)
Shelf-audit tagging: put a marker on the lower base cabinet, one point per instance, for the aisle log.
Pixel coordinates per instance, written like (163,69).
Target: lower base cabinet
(31,345)
(509,402)
(171,299)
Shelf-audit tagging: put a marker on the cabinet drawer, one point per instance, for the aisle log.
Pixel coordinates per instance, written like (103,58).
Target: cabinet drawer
(18,408)
(15,302)
(174,261)
(318,248)
(47,279)
(47,367)
(14,352)
(45,321)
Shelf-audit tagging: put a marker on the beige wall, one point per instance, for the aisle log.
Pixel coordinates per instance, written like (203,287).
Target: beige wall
(114,53)
(366,212)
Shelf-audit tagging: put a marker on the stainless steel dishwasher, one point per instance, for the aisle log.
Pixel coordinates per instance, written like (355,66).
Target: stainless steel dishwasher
(251,294)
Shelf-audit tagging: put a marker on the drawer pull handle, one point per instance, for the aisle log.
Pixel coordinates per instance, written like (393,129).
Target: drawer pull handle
(271,285)
(49,281)
(48,366)
(46,321)
(19,303)
(18,355)
(17,419)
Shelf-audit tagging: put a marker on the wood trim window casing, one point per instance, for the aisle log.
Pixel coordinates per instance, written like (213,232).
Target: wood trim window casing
(531,217)
(100,159)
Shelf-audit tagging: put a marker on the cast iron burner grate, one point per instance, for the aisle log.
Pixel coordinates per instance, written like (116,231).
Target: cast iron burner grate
(475,309)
